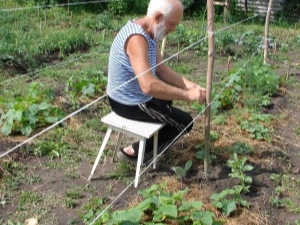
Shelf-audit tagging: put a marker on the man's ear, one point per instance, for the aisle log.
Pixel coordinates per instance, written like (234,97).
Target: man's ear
(158,17)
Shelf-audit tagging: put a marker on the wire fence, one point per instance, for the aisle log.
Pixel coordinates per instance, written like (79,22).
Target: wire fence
(54,5)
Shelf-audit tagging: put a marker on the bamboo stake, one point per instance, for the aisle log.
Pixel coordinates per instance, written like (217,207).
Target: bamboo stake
(228,64)
(163,46)
(71,18)
(288,70)
(210,68)
(266,52)
(68,7)
(178,49)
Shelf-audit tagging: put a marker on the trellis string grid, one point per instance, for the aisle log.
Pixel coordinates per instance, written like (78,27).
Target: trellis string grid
(194,119)
(100,98)
(117,88)
(55,5)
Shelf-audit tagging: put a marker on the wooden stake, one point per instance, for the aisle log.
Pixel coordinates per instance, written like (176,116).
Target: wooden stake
(288,71)
(226,10)
(71,17)
(295,28)
(267,31)
(68,7)
(163,46)
(210,68)
(178,49)
(228,64)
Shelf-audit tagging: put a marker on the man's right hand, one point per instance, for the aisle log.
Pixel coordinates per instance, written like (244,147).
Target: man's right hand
(197,93)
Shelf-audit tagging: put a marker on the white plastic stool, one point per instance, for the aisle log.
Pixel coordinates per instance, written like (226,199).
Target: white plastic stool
(132,128)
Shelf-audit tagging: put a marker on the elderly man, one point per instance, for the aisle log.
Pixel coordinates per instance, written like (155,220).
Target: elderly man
(142,88)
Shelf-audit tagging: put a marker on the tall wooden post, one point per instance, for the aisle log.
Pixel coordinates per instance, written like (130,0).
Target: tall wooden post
(210,69)
(266,53)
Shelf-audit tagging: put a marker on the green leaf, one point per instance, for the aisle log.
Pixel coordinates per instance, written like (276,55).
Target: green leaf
(188,165)
(228,206)
(248,180)
(133,215)
(34,108)
(26,130)
(51,119)
(179,195)
(179,171)
(148,202)
(6,129)
(244,203)
(187,206)
(18,115)
(165,210)
(10,116)
(206,217)
(248,167)
(88,90)
(44,106)
(31,117)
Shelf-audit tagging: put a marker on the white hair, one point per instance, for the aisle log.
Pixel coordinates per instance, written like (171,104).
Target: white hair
(166,7)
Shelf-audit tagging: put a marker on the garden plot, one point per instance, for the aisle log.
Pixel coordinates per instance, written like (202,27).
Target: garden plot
(255,132)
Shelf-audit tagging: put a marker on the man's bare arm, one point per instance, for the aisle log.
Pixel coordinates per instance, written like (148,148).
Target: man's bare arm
(149,84)
(169,76)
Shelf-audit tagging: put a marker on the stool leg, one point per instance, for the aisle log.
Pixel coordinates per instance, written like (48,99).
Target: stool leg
(100,151)
(120,138)
(155,139)
(140,161)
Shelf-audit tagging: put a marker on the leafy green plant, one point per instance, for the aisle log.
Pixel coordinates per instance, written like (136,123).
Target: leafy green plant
(252,86)
(24,114)
(164,205)
(201,155)
(64,41)
(54,149)
(28,199)
(85,85)
(286,192)
(228,199)
(158,207)
(261,78)
(181,171)
(241,148)
(69,203)
(93,208)
(276,202)
(219,119)
(73,194)
(258,131)
(238,168)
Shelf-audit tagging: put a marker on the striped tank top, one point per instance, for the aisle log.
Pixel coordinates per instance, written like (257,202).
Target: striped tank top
(122,85)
